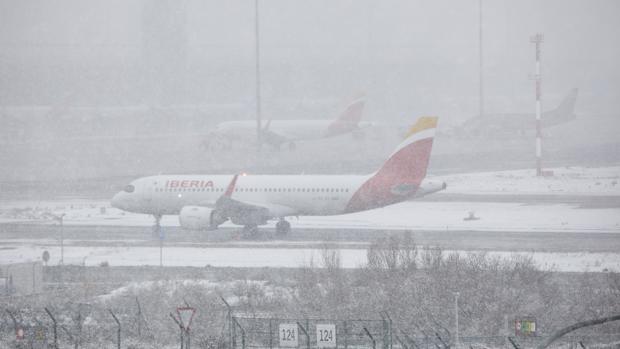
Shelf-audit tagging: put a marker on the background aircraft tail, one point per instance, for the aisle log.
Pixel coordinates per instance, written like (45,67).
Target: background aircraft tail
(349,119)
(565,112)
(401,175)
(568,103)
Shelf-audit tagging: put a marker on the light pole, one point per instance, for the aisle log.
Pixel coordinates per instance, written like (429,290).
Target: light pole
(62,243)
(481,79)
(84,284)
(257,68)
(537,40)
(456,319)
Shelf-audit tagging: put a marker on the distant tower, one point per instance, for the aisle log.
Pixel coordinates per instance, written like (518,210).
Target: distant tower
(257,71)
(538,40)
(481,91)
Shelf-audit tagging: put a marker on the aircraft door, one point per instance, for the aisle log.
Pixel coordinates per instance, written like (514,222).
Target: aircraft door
(148,190)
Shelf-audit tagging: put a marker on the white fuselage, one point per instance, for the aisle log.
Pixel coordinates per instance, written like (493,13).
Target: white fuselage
(293,130)
(306,194)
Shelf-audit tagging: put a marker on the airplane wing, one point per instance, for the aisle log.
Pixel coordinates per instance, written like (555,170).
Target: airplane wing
(272,138)
(249,213)
(275,210)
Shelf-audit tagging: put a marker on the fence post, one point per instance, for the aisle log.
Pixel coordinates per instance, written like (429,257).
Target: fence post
(346,334)
(233,330)
(140,317)
(387,330)
(445,345)
(55,327)
(514,344)
(187,338)
(270,334)
(374,344)
(306,333)
(118,332)
(235,324)
(242,337)
(180,328)
(230,322)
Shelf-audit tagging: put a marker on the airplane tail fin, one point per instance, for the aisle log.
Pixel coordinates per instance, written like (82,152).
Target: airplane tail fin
(567,106)
(401,175)
(565,112)
(231,186)
(349,119)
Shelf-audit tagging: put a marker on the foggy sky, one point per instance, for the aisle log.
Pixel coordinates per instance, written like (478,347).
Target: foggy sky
(411,57)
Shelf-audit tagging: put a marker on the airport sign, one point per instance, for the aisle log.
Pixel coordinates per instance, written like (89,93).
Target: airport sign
(288,335)
(326,336)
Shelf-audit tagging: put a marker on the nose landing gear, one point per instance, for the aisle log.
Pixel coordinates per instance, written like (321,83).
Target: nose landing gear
(156,232)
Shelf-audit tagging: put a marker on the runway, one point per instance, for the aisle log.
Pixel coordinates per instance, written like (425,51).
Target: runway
(90,235)
(122,246)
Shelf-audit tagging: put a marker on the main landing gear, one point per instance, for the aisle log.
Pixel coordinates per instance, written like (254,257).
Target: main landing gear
(283,227)
(249,231)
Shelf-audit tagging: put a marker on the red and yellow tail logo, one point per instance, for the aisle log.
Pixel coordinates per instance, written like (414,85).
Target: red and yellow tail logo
(400,176)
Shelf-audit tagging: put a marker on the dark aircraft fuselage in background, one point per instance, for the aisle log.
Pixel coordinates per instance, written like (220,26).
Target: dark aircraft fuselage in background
(518,123)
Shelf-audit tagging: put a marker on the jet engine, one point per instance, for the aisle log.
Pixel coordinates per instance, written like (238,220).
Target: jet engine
(200,218)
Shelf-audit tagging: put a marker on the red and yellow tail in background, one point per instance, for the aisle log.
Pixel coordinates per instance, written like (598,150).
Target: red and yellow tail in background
(349,119)
(400,176)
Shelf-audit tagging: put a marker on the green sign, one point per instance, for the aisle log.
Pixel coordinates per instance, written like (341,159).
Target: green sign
(525,327)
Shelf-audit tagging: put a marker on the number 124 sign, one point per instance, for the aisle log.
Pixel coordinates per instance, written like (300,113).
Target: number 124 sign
(288,335)
(326,336)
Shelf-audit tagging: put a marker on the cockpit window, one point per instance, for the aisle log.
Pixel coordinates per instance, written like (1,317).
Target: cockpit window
(129,188)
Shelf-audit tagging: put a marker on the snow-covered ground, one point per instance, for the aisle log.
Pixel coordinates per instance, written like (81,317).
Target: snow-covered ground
(266,257)
(565,181)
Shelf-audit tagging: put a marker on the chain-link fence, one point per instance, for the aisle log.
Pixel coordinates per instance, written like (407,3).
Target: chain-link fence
(88,326)
(270,332)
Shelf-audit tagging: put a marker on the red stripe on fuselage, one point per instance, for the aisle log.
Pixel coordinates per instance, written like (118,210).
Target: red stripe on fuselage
(405,167)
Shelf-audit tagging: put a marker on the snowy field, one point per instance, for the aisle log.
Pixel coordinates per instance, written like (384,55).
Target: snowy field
(267,257)
(565,181)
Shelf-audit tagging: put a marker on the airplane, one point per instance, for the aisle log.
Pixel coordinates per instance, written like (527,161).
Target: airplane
(275,133)
(203,202)
(500,124)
